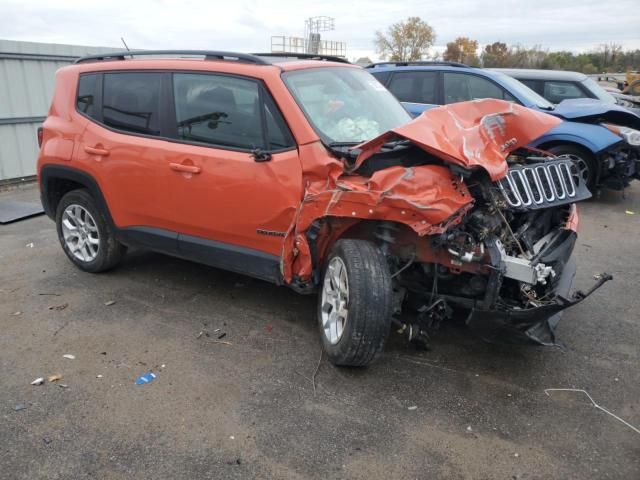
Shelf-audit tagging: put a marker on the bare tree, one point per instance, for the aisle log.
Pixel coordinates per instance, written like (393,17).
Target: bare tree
(610,51)
(405,41)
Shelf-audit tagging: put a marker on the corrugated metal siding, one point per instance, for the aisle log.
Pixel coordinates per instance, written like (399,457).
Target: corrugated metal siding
(26,87)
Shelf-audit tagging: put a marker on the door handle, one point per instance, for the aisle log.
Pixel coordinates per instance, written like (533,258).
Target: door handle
(179,167)
(96,151)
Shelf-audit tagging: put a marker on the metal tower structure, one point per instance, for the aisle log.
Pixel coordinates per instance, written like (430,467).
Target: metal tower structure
(312,42)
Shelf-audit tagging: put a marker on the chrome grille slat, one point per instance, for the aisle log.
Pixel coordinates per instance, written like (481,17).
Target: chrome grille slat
(537,185)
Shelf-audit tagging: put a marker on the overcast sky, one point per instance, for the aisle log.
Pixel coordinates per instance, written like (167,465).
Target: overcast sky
(245,25)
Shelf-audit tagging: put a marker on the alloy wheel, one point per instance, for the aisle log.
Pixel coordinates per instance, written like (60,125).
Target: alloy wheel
(80,233)
(581,164)
(335,300)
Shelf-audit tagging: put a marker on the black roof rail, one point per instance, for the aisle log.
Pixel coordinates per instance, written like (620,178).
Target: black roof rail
(417,63)
(208,55)
(303,56)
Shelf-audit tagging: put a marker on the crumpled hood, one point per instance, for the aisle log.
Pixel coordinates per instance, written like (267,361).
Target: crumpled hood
(590,110)
(479,133)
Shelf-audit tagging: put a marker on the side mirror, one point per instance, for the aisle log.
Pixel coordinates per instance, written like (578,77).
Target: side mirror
(260,156)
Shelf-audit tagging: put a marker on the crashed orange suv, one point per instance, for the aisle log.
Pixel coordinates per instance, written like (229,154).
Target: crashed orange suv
(306,172)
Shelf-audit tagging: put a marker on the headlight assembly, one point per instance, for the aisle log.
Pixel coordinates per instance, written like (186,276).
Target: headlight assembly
(631,136)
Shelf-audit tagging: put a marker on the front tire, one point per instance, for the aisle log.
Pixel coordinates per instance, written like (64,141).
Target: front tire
(582,159)
(86,237)
(355,303)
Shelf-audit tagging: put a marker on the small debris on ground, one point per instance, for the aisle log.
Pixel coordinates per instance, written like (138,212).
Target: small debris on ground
(269,328)
(20,406)
(29,245)
(54,378)
(109,303)
(201,333)
(15,314)
(413,407)
(516,454)
(59,307)
(63,385)
(69,356)
(146,378)
(222,335)
(469,429)
(98,376)
(629,212)
(38,381)
(46,440)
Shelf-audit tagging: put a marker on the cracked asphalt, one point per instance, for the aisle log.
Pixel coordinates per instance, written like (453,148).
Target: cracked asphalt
(248,408)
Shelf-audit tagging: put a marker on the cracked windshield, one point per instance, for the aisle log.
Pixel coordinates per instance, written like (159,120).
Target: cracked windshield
(345,105)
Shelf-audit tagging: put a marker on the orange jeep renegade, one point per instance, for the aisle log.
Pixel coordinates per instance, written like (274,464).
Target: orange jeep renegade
(308,173)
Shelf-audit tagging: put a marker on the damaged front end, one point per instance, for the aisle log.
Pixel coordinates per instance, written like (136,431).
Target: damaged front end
(521,233)
(470,221)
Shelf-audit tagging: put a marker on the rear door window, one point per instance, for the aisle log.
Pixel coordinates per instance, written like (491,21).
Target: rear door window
(414,87)
(131,102)
(87,95)
(556,92)
(461,87)
(219,110)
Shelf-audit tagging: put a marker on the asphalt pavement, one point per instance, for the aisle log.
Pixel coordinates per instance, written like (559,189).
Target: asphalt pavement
(241,390)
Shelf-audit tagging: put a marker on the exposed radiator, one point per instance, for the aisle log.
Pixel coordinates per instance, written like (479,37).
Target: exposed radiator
(543,184)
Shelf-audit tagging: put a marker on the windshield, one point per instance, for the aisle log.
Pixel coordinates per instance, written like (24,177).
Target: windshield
(345,105)
(527,96)
(598,91)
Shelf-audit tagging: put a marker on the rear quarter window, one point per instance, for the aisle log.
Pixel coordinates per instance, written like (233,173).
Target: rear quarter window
(87,94)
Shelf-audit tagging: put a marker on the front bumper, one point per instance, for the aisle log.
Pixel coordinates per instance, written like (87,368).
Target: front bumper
(534,326)
(619,167)
(496,322)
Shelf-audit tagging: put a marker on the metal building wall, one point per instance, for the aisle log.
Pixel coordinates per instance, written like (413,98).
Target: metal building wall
(27,76)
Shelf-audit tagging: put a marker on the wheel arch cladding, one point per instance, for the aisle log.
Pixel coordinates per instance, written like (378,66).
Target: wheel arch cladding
(56,181)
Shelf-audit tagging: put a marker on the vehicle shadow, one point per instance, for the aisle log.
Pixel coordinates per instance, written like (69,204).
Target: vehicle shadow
(452,344)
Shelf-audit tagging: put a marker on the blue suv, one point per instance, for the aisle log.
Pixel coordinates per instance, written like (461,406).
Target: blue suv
(602,139)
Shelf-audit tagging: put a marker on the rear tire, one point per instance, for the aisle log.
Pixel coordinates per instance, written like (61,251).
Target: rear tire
(584,160)
(85,235)
(355,303)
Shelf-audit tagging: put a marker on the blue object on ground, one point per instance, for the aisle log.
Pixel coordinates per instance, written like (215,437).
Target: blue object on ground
(146,378)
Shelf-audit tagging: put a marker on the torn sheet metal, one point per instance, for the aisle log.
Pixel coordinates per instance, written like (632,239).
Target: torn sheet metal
(480,133)
(427,198)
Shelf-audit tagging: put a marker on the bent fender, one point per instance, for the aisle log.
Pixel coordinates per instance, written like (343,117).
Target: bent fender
(427,198)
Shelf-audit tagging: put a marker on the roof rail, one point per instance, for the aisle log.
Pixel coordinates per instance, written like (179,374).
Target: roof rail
(418,62)
(303,56)
(208,55)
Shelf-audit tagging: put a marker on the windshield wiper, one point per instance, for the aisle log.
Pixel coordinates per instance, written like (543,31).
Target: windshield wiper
(343,144)
(343,150)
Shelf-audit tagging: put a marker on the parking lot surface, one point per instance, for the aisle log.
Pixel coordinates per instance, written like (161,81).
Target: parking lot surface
(239,393)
